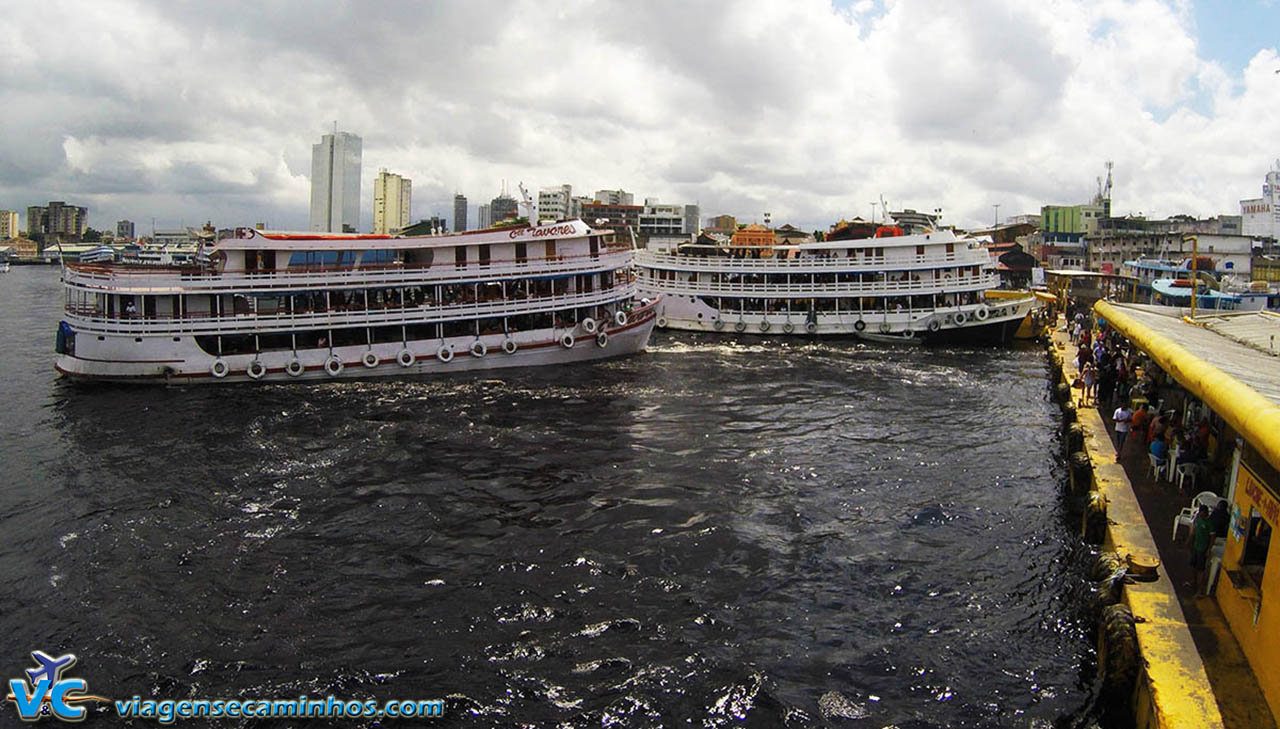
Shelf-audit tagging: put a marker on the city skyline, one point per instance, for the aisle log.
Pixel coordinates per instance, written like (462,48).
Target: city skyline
(809,110)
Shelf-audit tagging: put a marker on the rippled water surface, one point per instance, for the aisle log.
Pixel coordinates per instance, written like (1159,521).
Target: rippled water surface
(711,532)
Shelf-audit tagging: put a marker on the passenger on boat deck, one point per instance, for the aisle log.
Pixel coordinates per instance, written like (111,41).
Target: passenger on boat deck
(129,310)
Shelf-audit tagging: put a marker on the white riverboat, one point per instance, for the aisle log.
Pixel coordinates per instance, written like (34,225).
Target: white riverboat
(927,285)
(314,306)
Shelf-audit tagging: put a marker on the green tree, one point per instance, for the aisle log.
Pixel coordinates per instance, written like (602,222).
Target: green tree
(91,236)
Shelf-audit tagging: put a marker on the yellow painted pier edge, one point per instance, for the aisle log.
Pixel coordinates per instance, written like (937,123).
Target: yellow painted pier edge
(1172,690)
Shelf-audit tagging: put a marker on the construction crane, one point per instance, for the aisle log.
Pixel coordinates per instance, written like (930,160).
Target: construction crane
(1103,198)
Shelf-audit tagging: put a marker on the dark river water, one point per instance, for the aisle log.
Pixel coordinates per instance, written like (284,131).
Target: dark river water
(713,533)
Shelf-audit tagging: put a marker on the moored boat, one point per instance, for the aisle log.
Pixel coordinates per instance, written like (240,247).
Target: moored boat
(313,306)
(896,286)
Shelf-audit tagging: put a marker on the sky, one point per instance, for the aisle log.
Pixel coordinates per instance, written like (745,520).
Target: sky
(810,110)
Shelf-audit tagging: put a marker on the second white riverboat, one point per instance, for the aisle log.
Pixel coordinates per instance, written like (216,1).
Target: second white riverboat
(890,287)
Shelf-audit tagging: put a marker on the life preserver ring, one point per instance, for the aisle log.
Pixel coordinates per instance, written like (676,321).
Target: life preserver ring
(295,368)
(406,358)
(718,324)
(620,318)
(256,369)
(788,327)
(859,325)
(908,333)
(509,345)
(444,353)
(740,326)
(333,365)
(479,349)
(811,327)
(764,325)
(981,313)
(961,318)
(662,322)
(589,325)
(370,359)
(934,325)
(602,340)
(566,341)
(219,368)
(885,327)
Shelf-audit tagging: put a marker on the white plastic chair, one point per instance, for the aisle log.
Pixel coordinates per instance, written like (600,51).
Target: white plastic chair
(1187,516)
(1157,466)
(1187,472)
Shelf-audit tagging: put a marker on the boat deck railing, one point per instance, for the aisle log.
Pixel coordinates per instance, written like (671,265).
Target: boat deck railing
(93,319)
(128,280)
(805,289)
(816,264)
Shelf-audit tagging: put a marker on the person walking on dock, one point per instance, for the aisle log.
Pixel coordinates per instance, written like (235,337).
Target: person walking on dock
(1121,418)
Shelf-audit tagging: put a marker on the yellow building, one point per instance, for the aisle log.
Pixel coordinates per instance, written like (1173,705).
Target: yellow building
(753,241)
(1228,362)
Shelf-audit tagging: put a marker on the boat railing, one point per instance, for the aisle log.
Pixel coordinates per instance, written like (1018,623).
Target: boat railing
(800,289)
(858,263)
(94,319)
(188,280)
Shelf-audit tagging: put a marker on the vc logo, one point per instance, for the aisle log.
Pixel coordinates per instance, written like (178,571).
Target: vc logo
(49,693)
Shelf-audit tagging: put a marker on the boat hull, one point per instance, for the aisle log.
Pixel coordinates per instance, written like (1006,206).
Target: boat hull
(180,361)
(993,324)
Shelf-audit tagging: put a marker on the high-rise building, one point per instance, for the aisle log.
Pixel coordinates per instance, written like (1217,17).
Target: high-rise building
(485,218)
(335,183)
(392,199)
(459,213)
(503,207)
(8,224)
(57,218)
(692,219)
(658,219)
(124,230)
(555,203)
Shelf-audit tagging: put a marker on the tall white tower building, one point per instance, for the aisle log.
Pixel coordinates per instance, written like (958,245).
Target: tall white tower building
(335,183)
(392,199)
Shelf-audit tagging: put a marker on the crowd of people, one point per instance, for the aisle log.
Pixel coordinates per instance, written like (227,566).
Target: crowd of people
(1116,377)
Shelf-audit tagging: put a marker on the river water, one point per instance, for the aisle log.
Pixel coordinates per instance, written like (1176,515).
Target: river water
(712,533)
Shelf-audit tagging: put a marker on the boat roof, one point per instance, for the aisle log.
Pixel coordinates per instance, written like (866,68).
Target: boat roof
(1166,287)
(947,236)
(248,238)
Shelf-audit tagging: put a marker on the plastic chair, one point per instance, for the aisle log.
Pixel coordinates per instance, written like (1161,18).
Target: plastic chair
(1187,472)
(1157,466)
(1215,564)
(1187,516)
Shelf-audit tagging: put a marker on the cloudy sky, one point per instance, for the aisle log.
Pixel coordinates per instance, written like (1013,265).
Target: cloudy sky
(808,109)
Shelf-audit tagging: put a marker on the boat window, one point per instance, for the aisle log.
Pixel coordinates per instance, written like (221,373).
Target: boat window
(551,250)
(522,252)
(460,256)
(484,255)
(313,259)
